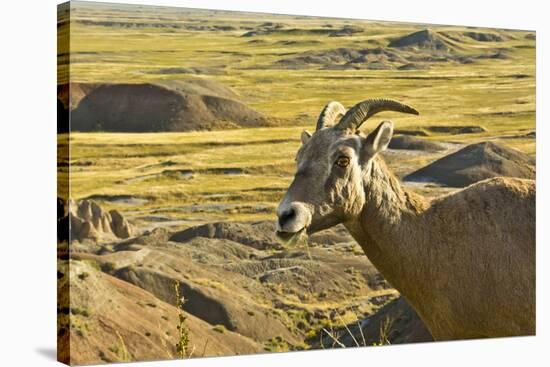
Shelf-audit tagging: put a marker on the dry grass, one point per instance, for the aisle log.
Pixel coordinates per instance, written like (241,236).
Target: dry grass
(498,94)
(182,346)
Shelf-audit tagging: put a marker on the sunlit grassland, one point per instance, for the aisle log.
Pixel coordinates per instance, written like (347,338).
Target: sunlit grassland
(149,166)
(497,94)
(445,93)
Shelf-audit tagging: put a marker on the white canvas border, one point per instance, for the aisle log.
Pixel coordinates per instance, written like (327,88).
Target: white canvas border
(27,310)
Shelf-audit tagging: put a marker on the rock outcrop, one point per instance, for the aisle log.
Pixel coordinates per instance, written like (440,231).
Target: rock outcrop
(90,221)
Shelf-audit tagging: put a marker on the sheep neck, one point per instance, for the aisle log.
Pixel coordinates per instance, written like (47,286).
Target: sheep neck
(390,228)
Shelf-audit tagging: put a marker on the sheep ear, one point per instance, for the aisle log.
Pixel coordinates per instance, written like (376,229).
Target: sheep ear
(305,136)
(378,140)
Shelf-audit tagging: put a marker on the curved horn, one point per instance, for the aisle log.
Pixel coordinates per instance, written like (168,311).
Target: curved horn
(365,109)
(332,111)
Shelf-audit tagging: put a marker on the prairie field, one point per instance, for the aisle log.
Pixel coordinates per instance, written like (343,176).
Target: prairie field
(496,94)
(470,85)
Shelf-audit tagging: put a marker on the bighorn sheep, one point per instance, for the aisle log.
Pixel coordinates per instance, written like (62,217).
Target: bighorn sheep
(464,261)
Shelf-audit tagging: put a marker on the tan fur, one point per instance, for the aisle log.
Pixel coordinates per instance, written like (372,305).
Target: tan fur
(465,261)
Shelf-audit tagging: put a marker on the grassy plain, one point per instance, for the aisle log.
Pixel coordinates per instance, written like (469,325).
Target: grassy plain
(241,174)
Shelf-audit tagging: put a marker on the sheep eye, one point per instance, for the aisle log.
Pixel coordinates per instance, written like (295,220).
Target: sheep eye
(342,161)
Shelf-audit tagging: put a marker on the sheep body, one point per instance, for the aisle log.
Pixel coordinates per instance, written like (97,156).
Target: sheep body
(465,261)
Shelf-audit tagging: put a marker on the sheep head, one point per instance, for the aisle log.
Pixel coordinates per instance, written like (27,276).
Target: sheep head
(328,185)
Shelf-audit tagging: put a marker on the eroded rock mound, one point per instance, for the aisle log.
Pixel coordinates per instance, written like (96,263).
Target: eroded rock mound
(259,294)
(474,163)
(413,143)
(152,108)
(281,29)
(344,59)
(424,39)
(91,221)
(259,235)
(72,93)
(486,37)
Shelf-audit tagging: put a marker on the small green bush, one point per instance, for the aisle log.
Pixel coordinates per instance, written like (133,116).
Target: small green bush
(80,311)
(108,267)
(219,328)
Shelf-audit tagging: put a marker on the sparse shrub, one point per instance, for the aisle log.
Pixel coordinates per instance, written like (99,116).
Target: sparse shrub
(83,276)
(108,267)
(219,328)
(122,352)
(80,311)
(93,264)
(114,349)
(311,334)
(183,331)
(277,344)
(385,331)
(103,357)
(301,325)
(147,334)
(386,326)
(351,270)
(76,327)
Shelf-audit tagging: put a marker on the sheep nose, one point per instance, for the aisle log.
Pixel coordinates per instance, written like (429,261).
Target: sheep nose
(286,216)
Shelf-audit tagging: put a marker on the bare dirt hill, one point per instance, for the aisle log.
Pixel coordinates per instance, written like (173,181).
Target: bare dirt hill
(344,59)
(199,86)
(238,282)
(474,163)
(152,108)
(413,143)
(258,235)
(115,321)
(72,93)
(486,36)
(232,276)
(424,39)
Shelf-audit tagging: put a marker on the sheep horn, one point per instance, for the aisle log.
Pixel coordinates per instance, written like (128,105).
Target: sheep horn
(365,109)
(332,111)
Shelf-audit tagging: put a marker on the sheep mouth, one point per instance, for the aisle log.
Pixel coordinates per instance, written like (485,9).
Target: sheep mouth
(291,238)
